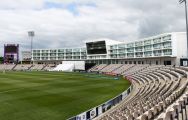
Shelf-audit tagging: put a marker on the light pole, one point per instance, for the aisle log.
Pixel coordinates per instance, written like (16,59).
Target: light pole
(31,35)
(185,1)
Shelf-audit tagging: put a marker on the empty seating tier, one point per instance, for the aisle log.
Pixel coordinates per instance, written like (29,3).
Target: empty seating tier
(159,92)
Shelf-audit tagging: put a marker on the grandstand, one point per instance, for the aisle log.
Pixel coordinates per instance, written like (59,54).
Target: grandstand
(26,67)
(159,92)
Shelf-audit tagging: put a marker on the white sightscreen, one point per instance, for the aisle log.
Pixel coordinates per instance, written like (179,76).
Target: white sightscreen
(64,67)
(78,65)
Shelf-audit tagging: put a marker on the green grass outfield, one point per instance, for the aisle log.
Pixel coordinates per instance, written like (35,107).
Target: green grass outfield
(53,95)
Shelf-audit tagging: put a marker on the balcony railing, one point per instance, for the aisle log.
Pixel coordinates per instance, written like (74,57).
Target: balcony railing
(147,43)
(157,54)
(156,48)
(167,53)
(167,46)
(147,49)
(138,44)
(130,56)
(138,50)
(139,55)
(130,45)
(148,55)
(156,41)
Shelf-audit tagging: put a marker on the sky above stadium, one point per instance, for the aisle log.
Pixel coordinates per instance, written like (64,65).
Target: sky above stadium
(67,23)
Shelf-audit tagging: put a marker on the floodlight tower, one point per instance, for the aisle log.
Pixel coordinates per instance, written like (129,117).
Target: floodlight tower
(185,1)
(31,35)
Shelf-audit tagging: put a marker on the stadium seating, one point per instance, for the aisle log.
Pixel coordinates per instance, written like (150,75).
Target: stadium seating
(49,67)
(7,66)
(122,69)
(159,92)
(98,68)
(111,67)
(22,67)
(37,67)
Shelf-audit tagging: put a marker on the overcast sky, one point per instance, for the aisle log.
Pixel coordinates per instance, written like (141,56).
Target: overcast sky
(67,23)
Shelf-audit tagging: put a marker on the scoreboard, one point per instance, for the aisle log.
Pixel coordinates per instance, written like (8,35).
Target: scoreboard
(98,47)
(11,53)
(11,49)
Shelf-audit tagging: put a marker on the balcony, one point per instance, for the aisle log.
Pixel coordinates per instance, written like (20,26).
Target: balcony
(76,58)
(148,55)
(68,58)
(36,54)
(74,51)
(52,55)
(138,44)
(157,48)
(36,51)
(61,54)
(130,50)
(44,58)
(113,47)
(130,55)
(113,56)
(148,42)
(130,45)
(138,50)
(45,51)
(167,53)
(122,56)
(167,38)
(113,53)
(167,47)
(68,50)
(44,54)
(83,58)
(36,58)
(157,54)
(155,41)
(121,46)
(61,51)
(53,51)
(60,58)
(148,49)
(83,50)
(122,52)
(139,56)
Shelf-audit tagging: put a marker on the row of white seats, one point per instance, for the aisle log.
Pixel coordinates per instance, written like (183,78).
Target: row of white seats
(20,67)
(111,67)
(98,68)
(157,88)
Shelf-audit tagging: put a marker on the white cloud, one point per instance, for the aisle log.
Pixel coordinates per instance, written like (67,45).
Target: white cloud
(70,1)
(55,27)
(21,4)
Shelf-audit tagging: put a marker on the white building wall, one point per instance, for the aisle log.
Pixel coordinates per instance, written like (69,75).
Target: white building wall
(179,45)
